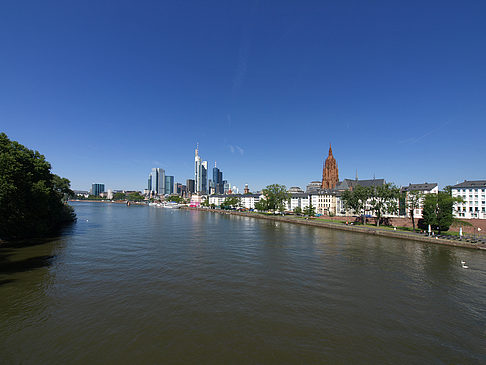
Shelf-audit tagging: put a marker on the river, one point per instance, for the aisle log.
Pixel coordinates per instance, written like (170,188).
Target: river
(149,285)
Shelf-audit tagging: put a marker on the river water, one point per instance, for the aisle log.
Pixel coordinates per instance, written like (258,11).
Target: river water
(150,285)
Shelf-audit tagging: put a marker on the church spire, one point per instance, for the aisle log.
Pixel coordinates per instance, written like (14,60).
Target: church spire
(330,149)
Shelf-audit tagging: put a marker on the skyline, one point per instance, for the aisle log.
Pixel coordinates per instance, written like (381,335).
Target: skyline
(108,93)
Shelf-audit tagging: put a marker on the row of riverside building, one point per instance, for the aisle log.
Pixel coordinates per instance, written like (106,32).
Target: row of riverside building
(325,195)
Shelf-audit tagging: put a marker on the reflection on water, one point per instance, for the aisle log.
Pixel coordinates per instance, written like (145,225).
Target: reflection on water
(141,284)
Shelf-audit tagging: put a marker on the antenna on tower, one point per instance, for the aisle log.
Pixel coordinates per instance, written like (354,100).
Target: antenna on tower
(356,174)
(214,163)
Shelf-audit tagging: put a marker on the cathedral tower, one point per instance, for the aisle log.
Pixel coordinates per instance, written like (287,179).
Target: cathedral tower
(330,172)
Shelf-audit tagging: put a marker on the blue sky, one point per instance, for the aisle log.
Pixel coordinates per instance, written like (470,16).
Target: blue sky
(106,90)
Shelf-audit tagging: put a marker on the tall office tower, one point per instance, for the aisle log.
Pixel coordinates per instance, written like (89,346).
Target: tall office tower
(204,177)
(197,171)
(169,185)
(190,186)
(157,181)
(218,180)
(226,187)
(211,187)
(97,189)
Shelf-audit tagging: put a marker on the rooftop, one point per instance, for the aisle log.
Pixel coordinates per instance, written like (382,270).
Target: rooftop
(420,187)
(471,184)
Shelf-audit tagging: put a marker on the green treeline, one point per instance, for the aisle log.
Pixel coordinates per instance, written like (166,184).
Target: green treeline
(32,199)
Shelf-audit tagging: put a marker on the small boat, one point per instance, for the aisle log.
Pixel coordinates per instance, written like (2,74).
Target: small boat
(464,266)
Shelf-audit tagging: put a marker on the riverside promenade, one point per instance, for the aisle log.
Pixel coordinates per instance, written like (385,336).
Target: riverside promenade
(377,231)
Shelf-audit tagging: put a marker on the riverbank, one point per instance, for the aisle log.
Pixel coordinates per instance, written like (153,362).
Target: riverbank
(106,201)
(377,231)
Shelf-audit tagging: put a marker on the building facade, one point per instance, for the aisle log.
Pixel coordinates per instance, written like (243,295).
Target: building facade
(156,181)
(423,189)
(200,173)
(473,194)
(190,186)
(169,185)
(97,189)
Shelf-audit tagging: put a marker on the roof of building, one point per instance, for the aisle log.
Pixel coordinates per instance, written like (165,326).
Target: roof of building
(250,195)
(299,195)
(471,184)
(420,187)
(347,184)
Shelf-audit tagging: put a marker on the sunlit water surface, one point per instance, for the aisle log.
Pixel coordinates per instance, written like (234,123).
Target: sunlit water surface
(150,285)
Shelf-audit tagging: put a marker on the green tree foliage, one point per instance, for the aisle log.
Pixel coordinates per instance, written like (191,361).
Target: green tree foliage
(261,205)
(135,197)
(205,203)
(356,199)
(437,210)
(276,195)
(384,200)
(414,198)
(32,199)
(119,196)
(309,210)
(176,198)
(231,202)
(298,210)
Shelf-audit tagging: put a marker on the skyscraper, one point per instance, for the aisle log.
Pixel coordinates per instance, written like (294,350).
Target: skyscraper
(156,181)
(97,189)
(169,184)
(190,186)
(218,180)
(200,173)
(204,177)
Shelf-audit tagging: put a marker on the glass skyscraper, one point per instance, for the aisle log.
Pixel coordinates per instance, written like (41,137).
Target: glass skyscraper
(169,184)
(156,181)
(97,189)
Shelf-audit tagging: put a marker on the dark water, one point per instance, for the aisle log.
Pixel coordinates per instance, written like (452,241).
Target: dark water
(149,285)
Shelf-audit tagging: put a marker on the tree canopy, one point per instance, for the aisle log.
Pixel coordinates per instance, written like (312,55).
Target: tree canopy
(32,199)
(437,210)
(275,197)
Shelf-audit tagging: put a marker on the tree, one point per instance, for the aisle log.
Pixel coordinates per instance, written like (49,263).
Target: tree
(437,210)
(261,205)
(231,202)
(356,199)
(298,210)
(176,199)
(32,199)
(414,198)
(309,210)
(276,196)
(135,196)
(384,199)
(119,196)
(205,203)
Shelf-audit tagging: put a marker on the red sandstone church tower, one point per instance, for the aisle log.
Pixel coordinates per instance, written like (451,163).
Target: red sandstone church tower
(330,172)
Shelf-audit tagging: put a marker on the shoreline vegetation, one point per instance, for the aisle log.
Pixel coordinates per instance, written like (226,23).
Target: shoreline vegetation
(33,200)
(378,231)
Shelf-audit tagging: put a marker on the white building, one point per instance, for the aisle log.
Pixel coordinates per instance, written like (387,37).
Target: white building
(217,200)
(473,194)
(425,188)
(324,201)
(248,201)
(298,200)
